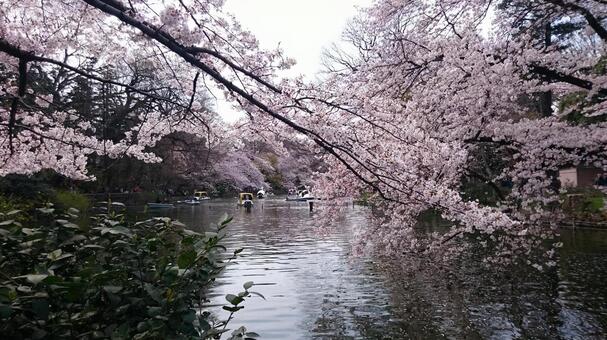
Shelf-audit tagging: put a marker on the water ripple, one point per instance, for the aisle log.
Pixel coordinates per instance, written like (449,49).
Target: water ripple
(316,290)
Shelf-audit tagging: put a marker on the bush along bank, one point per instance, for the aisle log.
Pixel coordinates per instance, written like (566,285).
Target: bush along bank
(109,278)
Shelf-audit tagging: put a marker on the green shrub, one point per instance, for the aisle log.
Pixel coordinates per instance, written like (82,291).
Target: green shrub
(109,278)
(584,200)
(70,199)
(10,204)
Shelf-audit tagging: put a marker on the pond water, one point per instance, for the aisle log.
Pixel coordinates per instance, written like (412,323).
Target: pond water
(315,289)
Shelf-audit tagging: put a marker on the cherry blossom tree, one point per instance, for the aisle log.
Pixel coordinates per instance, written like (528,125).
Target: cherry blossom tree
(430,83)
(401,115)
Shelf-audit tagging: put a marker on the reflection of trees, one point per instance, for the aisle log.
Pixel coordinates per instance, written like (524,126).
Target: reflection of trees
(471,301)
(336,297)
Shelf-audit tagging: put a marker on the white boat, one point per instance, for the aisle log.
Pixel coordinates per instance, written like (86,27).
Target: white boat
(192,202)
(261,193)
(302,196)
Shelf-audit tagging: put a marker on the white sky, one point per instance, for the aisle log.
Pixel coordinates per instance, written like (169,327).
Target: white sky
(302,28)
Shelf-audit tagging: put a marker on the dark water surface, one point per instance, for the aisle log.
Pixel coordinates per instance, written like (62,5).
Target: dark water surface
(315,289)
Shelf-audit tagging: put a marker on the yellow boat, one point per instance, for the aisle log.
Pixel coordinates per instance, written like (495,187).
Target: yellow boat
(201,195)
(245,198)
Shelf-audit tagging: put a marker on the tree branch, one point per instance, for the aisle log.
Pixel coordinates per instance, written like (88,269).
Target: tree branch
(15,102)
(590,18)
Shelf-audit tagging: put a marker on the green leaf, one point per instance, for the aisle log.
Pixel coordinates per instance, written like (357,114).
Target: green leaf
(54,254)
(70,225)
(186,259)
(24,289)
(120,243)
(233,299)
(64,256)
(5,311)
(232,309)
(7,222)
(248,285)
(153,310)
(251,335)
(112,289)
(189,317)
(112,223)
(191,233)
(210,234)
(28,231)
(40,307)
(115,231)
(13,212)
(154,292)
(238,251)
(93,246)
(74,239)
(178,224)
(52,280)
(33,278)
(187,241)
(46,210)
(226,221)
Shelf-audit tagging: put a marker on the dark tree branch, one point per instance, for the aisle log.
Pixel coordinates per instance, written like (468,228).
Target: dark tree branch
(590,18)
(225,60)
(15,102)
(28,56)
(550,74)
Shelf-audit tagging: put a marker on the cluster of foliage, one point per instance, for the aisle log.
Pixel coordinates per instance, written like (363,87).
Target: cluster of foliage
(584,204)
(425,91)
(110,278)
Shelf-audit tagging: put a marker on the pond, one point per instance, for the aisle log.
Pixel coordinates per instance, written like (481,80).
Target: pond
(315,289)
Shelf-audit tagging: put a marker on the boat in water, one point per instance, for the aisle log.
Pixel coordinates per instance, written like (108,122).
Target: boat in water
(245,199)
(302,196)
(191,201)
(201,195)
(261,193)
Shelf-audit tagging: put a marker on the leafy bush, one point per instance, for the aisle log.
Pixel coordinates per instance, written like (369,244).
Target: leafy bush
(109,278)
(70,199)
(10,204)
(583,201)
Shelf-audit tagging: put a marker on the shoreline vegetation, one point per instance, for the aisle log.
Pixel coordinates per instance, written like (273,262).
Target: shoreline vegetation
(62,277)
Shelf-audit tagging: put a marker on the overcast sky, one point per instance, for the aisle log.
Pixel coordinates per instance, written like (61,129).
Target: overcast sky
(302,28)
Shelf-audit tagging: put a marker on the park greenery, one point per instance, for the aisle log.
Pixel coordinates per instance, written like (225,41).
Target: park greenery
(109,278)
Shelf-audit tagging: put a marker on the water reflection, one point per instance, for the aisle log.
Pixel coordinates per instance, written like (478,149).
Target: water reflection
(316,290)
